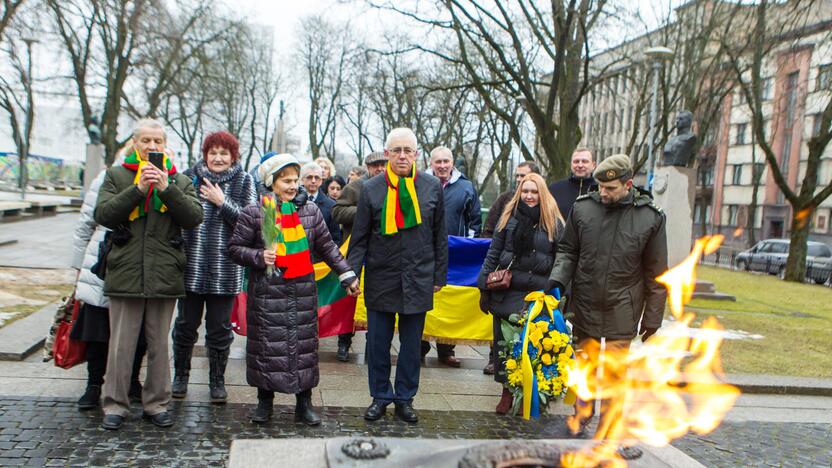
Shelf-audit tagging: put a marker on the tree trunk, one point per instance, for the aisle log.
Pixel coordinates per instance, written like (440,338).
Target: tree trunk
(796,264)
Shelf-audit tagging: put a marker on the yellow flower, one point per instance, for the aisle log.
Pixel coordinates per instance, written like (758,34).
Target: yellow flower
(568,352)
(542,325)
(515,378)
(547,344)
(547,359)
(511,364)
(556,386)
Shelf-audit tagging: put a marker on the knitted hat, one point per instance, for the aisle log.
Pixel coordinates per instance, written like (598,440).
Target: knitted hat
(271,165)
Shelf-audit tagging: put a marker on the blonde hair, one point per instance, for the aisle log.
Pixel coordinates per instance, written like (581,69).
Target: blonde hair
(324,161)
(549,212)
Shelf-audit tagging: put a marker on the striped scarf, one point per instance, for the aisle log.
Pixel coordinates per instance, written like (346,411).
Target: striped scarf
(292,247)
(401,207)
(135,163)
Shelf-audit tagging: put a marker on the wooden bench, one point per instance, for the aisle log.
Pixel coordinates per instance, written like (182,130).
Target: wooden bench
(12,209)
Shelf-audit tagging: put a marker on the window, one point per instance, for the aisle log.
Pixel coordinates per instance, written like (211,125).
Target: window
(765,89)
(824,77)
(741,128)
(779,247)
(737,174)
(732,215)
(818,119)
(818,250)
(758,170)
(706,176)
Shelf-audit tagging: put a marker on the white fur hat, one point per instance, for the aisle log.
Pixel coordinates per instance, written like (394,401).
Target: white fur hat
(272,165)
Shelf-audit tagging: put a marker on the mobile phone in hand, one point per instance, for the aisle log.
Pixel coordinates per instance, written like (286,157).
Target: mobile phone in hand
(157,159)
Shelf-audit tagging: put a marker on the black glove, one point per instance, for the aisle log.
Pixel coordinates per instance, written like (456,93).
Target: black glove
(485,301)
(552,284)
(647,332)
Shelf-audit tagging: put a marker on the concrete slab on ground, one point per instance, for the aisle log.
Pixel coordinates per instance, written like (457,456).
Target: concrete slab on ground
(25,336)
(42,242)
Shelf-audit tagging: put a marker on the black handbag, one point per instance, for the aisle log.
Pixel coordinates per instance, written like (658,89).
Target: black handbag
(119,236)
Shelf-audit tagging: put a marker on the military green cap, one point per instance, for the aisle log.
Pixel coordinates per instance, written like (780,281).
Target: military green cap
(613,168)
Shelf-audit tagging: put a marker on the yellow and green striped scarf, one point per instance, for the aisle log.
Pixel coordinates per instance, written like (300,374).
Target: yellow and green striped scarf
(401,207)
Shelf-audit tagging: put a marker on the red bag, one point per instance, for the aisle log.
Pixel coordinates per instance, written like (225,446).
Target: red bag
(68,352)
(238,314)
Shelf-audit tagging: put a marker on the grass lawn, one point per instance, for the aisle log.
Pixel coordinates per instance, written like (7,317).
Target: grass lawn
(21,285)
(794,319)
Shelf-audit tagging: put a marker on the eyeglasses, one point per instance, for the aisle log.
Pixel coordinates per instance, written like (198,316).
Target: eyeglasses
(402,150)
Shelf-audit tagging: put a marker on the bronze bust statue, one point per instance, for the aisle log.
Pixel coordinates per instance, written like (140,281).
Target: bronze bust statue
(94,131)
(679,149)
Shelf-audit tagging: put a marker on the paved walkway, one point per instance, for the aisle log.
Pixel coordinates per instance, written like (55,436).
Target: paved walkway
(41,242)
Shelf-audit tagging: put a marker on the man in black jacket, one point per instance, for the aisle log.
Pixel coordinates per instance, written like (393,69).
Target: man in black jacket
(579,182)
(612,250)
(400,240)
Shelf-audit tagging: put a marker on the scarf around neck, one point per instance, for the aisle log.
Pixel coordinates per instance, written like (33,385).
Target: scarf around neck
(401,206)
(528,219)
(135,163)
(292,246)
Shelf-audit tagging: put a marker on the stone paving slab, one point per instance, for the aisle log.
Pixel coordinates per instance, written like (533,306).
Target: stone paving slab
(25,336)
(50,431)
(42,242)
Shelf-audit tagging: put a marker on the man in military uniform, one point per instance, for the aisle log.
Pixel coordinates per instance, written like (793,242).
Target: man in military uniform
(613,248)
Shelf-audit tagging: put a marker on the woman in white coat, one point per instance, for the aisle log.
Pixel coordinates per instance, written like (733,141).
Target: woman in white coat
(93,323)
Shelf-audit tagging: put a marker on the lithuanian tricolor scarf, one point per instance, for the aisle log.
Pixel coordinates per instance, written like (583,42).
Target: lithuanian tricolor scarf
(401,207)
(135,163)
(292,247)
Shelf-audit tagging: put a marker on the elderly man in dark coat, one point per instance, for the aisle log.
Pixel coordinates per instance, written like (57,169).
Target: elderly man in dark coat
(399,238)
(612,250)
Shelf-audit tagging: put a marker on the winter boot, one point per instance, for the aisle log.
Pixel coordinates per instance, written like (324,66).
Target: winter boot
(304,412)
(91,398)
(182,370)
(218,359)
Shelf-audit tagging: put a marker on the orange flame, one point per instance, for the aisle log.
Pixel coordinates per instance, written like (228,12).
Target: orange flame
(659,391)
(738,232)
(802,217)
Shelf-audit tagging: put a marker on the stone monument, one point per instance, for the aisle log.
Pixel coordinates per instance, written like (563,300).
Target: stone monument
(95,153)
(674,189)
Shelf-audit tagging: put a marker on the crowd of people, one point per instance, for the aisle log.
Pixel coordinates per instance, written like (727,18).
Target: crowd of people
(151,239)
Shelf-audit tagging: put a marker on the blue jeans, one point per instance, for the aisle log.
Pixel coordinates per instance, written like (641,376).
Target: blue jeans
(380,328)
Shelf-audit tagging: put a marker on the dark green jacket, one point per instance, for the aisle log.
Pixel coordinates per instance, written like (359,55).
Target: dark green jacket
(151,264)
(612,256)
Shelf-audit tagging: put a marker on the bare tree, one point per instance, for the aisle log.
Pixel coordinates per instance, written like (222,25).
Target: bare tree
(9,9)
(774,25)
(100,38)
(18,100)
(324,53)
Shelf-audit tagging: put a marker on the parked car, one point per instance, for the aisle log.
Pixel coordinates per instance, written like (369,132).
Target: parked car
(770,256)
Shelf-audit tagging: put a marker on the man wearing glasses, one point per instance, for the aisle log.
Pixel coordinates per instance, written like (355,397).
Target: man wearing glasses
(400,240)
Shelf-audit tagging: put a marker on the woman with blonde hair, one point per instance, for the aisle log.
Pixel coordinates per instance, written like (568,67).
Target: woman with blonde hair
(525,242)
(327,167)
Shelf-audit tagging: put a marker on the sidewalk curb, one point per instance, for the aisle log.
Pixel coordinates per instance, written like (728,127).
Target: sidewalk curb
(23,337)
(781,385)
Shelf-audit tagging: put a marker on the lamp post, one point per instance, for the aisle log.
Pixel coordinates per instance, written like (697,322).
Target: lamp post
(29,40)
(657,56)
(517,158)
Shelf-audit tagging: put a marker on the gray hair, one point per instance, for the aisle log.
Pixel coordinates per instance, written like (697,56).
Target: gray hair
(359,170)
(401,132)
(147,122)
(309,167)
(441,149)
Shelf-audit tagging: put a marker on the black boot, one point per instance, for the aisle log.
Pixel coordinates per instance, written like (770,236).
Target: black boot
(263,413)
(91,398)
(304,412)
(218,359)
(343,353)
(182,369)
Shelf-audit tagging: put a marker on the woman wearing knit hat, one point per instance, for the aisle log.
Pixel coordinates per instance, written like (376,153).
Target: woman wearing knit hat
(282,309)
(212,280)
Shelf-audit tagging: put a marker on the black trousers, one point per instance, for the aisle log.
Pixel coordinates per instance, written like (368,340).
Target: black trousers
(442,350)
(96,355)
(380,329)
(269,394)
(218,334)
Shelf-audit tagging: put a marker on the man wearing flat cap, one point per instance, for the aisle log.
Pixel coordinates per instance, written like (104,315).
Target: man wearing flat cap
(613,248)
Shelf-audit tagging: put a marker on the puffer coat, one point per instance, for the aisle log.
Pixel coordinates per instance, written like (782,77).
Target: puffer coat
(209,269)
(282,314)
(85,243)
(529,271)
(612,255)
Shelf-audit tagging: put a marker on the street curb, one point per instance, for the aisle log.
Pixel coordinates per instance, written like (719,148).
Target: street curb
(781,385)
(25,336)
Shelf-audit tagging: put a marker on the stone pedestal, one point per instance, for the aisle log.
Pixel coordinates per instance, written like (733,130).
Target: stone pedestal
(674,190)
(434,453)
(94,163)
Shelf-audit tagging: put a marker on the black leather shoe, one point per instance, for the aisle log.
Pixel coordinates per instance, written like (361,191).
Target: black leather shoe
(406,413)
(343,353)
(162,419)
(488,369)
(375,411)
(91,398)
(112,422)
